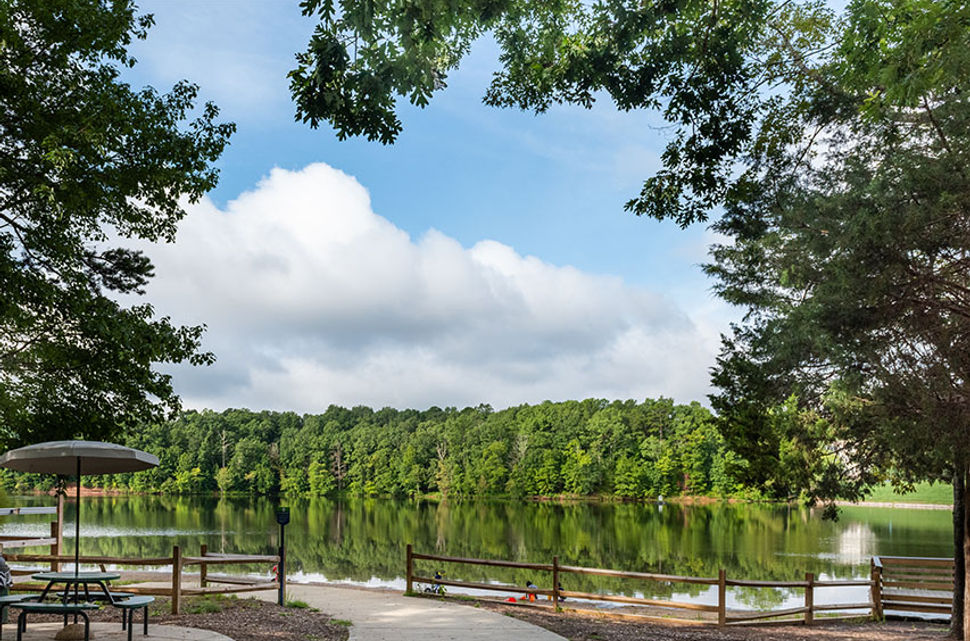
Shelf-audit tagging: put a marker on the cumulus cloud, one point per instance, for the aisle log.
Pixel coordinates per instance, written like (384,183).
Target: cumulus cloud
(311,298)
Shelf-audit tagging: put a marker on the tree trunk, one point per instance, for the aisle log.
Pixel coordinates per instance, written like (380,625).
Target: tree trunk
(957,622)
(961,566)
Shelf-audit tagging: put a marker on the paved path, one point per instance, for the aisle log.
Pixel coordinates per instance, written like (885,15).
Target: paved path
(386,615)
(113,632)
(380,615)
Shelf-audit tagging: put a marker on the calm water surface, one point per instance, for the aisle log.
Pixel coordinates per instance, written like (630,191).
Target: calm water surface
(363,540)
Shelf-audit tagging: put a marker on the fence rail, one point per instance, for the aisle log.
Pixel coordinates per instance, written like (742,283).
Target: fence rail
(724,615)
(54,540)
(178,562)
(915,584)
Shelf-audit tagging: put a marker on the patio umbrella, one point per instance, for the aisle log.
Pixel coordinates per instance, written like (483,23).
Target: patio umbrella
(77,457)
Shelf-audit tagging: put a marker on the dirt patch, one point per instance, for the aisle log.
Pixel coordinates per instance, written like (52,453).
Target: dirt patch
(71,491)
(240,619)
(247,619)
(587,627)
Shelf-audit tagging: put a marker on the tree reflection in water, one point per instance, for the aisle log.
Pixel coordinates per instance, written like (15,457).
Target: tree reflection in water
(364,539)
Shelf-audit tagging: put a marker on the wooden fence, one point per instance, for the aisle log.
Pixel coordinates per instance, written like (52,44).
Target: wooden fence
(54,540)
(914,584)
(179,562)
(719,613)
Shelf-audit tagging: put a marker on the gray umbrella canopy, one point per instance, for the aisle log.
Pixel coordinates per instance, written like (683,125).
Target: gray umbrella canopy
(61,457)
(77,457)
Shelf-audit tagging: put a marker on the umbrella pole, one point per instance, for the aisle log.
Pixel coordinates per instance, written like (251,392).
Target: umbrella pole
(77,523)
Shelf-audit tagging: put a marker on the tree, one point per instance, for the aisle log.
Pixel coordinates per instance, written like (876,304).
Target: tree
(854,268)
(87,163)
(580,474)
(835,146)
(321,480)
(338,467)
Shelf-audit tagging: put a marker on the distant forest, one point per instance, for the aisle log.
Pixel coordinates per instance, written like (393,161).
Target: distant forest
(582,448)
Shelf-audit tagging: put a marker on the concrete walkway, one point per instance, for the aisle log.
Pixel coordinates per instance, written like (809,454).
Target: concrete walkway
(113,632)
(381,615)
(386,615)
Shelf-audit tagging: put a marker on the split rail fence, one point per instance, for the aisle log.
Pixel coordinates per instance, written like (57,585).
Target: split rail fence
(54,540)
(891,583)
(915,584)
(178,562)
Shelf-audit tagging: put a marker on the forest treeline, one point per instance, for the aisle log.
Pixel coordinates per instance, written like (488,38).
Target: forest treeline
(585,448)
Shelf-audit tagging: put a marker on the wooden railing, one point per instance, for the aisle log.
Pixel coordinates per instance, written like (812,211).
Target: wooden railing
(808,610)
(724,616)
(178,562)
(914,584)
(54,540)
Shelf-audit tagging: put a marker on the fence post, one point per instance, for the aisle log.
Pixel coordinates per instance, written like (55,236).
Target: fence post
(56,546)
(721,598)
(203,567)
(176,580)
(809,598)
(875,588)
(410,570)
(555,583)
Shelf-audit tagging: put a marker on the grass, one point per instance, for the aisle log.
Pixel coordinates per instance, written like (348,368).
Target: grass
(462,597)
(205,604)
(931,493)
(343,622)
(296,603)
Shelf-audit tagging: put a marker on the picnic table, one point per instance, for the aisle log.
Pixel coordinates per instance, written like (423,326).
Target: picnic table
(76,585)
(77,580)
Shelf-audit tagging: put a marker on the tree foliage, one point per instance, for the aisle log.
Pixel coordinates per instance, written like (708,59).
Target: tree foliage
(579,448)
(87,162)
(856,277)
(692,59)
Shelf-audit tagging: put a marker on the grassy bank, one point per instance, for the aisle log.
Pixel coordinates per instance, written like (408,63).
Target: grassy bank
(934,494)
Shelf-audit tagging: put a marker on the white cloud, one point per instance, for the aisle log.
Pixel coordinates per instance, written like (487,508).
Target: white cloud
(311,298)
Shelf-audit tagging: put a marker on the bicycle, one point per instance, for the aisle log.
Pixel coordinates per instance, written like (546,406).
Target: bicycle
(436,588)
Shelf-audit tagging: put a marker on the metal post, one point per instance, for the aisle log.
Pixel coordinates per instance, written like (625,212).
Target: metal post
(282,517)
(281,574)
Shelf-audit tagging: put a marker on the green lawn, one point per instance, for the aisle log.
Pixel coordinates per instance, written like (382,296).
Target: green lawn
(936,493)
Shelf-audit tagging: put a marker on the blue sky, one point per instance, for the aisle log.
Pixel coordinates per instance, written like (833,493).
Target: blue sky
(531,205)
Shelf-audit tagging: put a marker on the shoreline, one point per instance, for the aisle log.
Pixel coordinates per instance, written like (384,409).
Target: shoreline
(900,505)
(89,492)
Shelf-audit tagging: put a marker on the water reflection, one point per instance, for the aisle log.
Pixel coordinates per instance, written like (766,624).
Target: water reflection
(856,543)
(363,540)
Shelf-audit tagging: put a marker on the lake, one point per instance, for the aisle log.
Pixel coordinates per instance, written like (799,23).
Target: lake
(362,541)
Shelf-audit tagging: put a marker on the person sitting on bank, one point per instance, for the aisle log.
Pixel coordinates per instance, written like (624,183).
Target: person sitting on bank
(533,586)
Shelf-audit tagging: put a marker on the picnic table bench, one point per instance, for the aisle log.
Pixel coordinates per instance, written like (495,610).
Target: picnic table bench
(28,607)
(128,611)
(9,599)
